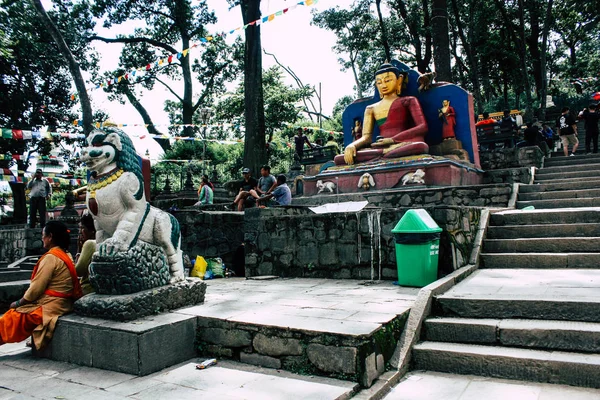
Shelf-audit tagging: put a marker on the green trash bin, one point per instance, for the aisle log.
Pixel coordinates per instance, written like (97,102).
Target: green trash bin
(417,239)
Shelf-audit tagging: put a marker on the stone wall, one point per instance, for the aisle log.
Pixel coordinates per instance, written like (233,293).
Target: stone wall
(509,175)
(496,195)
(295,242)
(357,358)
(210,233)
(17,241)
(512,158)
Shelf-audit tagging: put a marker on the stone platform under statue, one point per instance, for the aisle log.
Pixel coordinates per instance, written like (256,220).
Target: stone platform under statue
(421,170)
(407,135)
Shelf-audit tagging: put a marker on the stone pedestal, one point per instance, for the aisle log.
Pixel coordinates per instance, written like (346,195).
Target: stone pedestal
(140,347)
(387,174)
(142,267)
(128,307)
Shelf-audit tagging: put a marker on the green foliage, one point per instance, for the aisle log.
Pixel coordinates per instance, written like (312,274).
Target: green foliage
(170,26)
(357,35)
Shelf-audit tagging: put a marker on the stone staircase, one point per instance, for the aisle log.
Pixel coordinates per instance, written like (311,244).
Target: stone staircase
(14,280)
(532,310)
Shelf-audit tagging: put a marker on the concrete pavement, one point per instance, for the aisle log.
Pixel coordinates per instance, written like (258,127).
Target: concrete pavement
(423,385)
(24,377)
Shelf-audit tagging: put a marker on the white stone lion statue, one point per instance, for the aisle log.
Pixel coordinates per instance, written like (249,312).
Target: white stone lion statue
(115,197)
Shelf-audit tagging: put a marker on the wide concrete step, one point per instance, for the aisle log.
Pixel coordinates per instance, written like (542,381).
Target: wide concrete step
(560,203)
(543,245)
(539,334)
(591,173)
(560,169)
(560,194)
(510,305)
(577,160)
(543,231)
(565,180)
(510,363)
(567,184)
(546,260)
(550,216)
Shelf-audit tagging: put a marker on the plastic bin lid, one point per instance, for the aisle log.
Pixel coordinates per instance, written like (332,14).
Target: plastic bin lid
(416,221)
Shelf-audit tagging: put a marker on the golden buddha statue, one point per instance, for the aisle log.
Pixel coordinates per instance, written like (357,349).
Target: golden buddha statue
(401,122)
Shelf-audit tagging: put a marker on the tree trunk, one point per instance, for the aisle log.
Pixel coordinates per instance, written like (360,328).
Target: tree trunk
(543,73)
(533,44)
(19,202)
(86,105)
(187,105)
(441,40)
(384,39)
(255,153)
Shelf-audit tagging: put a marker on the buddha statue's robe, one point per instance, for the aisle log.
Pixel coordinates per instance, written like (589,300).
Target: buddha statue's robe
(405,124)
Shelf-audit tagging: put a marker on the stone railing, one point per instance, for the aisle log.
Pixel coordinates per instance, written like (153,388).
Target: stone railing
(295,242)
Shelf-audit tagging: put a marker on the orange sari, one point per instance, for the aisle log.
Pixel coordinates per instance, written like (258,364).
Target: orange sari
(53,289)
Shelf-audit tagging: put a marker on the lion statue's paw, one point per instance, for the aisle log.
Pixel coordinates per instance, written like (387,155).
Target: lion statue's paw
(111,247)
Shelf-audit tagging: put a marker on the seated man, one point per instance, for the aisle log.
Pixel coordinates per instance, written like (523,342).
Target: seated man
(248,184)
(281,195)
(487,120)
(266,183)
(402,125)
(508,123)
(333,144)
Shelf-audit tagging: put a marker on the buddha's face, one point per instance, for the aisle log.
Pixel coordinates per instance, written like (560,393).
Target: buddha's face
(388,83)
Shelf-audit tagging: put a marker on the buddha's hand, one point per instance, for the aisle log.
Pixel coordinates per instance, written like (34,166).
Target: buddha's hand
(383,142)
(349,154)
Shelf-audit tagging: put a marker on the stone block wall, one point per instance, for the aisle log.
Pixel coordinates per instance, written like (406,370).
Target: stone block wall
(509,175)
(357,358)
(17,242)
(496,195)
(511,158)
(209,233)
(295,242)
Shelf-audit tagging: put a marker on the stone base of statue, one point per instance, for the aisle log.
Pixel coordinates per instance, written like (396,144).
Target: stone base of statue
(132,306)
(397,173)
(142,267)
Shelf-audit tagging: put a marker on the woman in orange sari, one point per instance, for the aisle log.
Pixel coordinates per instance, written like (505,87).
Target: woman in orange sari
(53,289)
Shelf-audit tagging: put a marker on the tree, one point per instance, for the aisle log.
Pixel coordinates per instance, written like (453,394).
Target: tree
(171,28)
(356,32)
(35,84)
(79,14)
(441,40)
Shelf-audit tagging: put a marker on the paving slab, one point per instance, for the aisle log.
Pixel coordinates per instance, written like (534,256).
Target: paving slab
(426,385)
(352,307)
(528,283)
(226,381)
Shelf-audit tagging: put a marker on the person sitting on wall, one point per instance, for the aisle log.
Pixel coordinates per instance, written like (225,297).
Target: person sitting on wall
(402,125)
(205,195)
(53,289)
(281,195)
(332,143)
(266,183)
(508,123)
(487,120)
(548,135)
(248,184)
(86,246)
